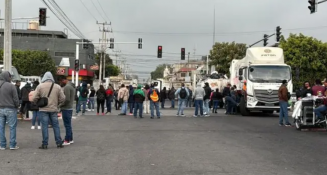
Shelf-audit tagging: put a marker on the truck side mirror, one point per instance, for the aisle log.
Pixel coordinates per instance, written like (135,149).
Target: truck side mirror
(240,78)
(240,72)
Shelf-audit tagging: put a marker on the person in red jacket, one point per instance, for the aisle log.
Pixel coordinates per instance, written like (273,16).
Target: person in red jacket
(109,98)
(318,89)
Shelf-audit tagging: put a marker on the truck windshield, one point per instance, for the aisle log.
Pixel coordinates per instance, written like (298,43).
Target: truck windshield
(14,73)
(269,74)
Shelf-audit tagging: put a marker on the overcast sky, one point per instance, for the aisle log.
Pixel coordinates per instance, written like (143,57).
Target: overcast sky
(181,23)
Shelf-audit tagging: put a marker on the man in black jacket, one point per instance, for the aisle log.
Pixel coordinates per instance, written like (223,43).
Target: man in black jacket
(25,101)
(206,99)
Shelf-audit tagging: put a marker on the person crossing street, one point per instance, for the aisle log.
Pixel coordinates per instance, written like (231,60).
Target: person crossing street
(183,95)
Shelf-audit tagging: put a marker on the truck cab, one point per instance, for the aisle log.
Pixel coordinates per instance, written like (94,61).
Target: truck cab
(263,69)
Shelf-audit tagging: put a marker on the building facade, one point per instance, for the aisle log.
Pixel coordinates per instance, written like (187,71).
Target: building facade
(59,47)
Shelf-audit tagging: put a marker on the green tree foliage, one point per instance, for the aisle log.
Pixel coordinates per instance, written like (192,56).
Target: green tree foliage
(222,54)
(158,73)
(32,63)
(111,70)
(306,56)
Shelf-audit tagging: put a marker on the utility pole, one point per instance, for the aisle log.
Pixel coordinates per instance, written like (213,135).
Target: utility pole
(104,41)
(116,55)
(7,56)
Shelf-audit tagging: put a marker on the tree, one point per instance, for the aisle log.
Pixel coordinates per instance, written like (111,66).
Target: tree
(158,73)
(222,55)
(32,63)
(306,56)
(111,70)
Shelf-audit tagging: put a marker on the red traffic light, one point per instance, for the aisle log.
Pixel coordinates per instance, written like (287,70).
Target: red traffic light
(159,47)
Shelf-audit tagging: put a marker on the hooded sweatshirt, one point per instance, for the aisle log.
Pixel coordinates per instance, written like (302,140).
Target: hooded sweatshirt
(25,91)
(131,92)
(8,93)
(199,92)
(139,95)
(56,98)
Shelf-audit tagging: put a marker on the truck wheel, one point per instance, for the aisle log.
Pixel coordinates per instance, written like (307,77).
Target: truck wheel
(244,111)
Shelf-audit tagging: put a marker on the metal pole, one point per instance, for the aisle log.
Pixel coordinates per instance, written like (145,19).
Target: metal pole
(73,77)
(77,58)
(104,57)
(214,25)
(207,64)
(7,57)
(322,1)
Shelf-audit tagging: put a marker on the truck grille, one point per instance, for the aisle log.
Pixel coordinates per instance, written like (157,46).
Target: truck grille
(268,96)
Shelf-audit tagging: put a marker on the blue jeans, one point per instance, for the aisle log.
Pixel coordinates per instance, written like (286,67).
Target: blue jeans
(124,108)
(198,104)
(79,106)
(91,101)
(173,103)
(319,110)
(131,107)
(181,106)
(163,103)
(53,116)
(206,106)
(215,104)
(152,106)
(283,113)
(67,118)
(108,103)
(231,104)
(9,115)
(138,106)
(36,115)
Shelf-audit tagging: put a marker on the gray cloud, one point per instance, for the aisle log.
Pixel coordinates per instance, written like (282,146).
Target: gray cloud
(183,16)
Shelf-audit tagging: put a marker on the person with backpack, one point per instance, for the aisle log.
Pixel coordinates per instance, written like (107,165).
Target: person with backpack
(154,101)
(139,98)
(183,95)
(101,98)
(83,93)
(216,98)
(123,95)
(109,98)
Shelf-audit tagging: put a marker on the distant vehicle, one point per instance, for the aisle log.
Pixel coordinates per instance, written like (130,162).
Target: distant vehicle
(14,74)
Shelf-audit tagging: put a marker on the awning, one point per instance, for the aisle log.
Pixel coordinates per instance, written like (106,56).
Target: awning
(82,72)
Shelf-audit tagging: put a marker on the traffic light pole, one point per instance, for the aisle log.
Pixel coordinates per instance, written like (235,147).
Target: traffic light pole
(261,40)
(7,56)
(77,58)
(322,1)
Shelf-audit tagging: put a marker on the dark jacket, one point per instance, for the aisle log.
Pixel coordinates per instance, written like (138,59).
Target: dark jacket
(25,91)
(207,90)
(69,92)
(217,96)
(171,94)
(305,92)
(19,92)
(131,92)
(226,91)
(283,93)
(163,95)
(138,98)
(8,92)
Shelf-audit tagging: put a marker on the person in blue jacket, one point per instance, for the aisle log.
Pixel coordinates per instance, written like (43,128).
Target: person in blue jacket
(131,100)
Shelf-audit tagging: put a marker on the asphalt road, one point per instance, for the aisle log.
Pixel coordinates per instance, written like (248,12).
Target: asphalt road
(217,145)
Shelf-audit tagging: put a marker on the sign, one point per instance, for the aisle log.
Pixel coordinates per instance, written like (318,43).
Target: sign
(94,67)
(62,71)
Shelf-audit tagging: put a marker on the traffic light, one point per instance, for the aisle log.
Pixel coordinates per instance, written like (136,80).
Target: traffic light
(183,54)
(312,6)
(159,51)
(112,40)
(278,33)
(85,44)
(140,43)
(42,17)
(265,39)
(76,65)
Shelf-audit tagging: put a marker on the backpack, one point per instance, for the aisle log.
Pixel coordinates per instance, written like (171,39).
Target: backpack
(289,95)
(154,96)
(101,96)
(84,92)
(183,93)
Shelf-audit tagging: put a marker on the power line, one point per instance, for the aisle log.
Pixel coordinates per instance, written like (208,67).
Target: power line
(98,10)
(102,9)
(88,10)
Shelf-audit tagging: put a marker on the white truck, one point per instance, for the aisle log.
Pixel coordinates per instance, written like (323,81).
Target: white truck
(263,69)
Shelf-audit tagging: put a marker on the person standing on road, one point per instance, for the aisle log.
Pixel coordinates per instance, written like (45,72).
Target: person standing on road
(55,95)
(171,97)
(139,98)
(35,109)
(131,100)
(83,93)
(183,95)
(101,98)
(67,109)
(9,104)
(199,94)
(283,103)
(91,98)
(190,98)
(163,97)
(206,108)
(146,104)
(216,98)
(109,98)
(25,101)
(117,104)
(154,101)
(123,95)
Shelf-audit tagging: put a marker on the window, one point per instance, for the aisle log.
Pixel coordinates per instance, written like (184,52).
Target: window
(183,74)
(64,54)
